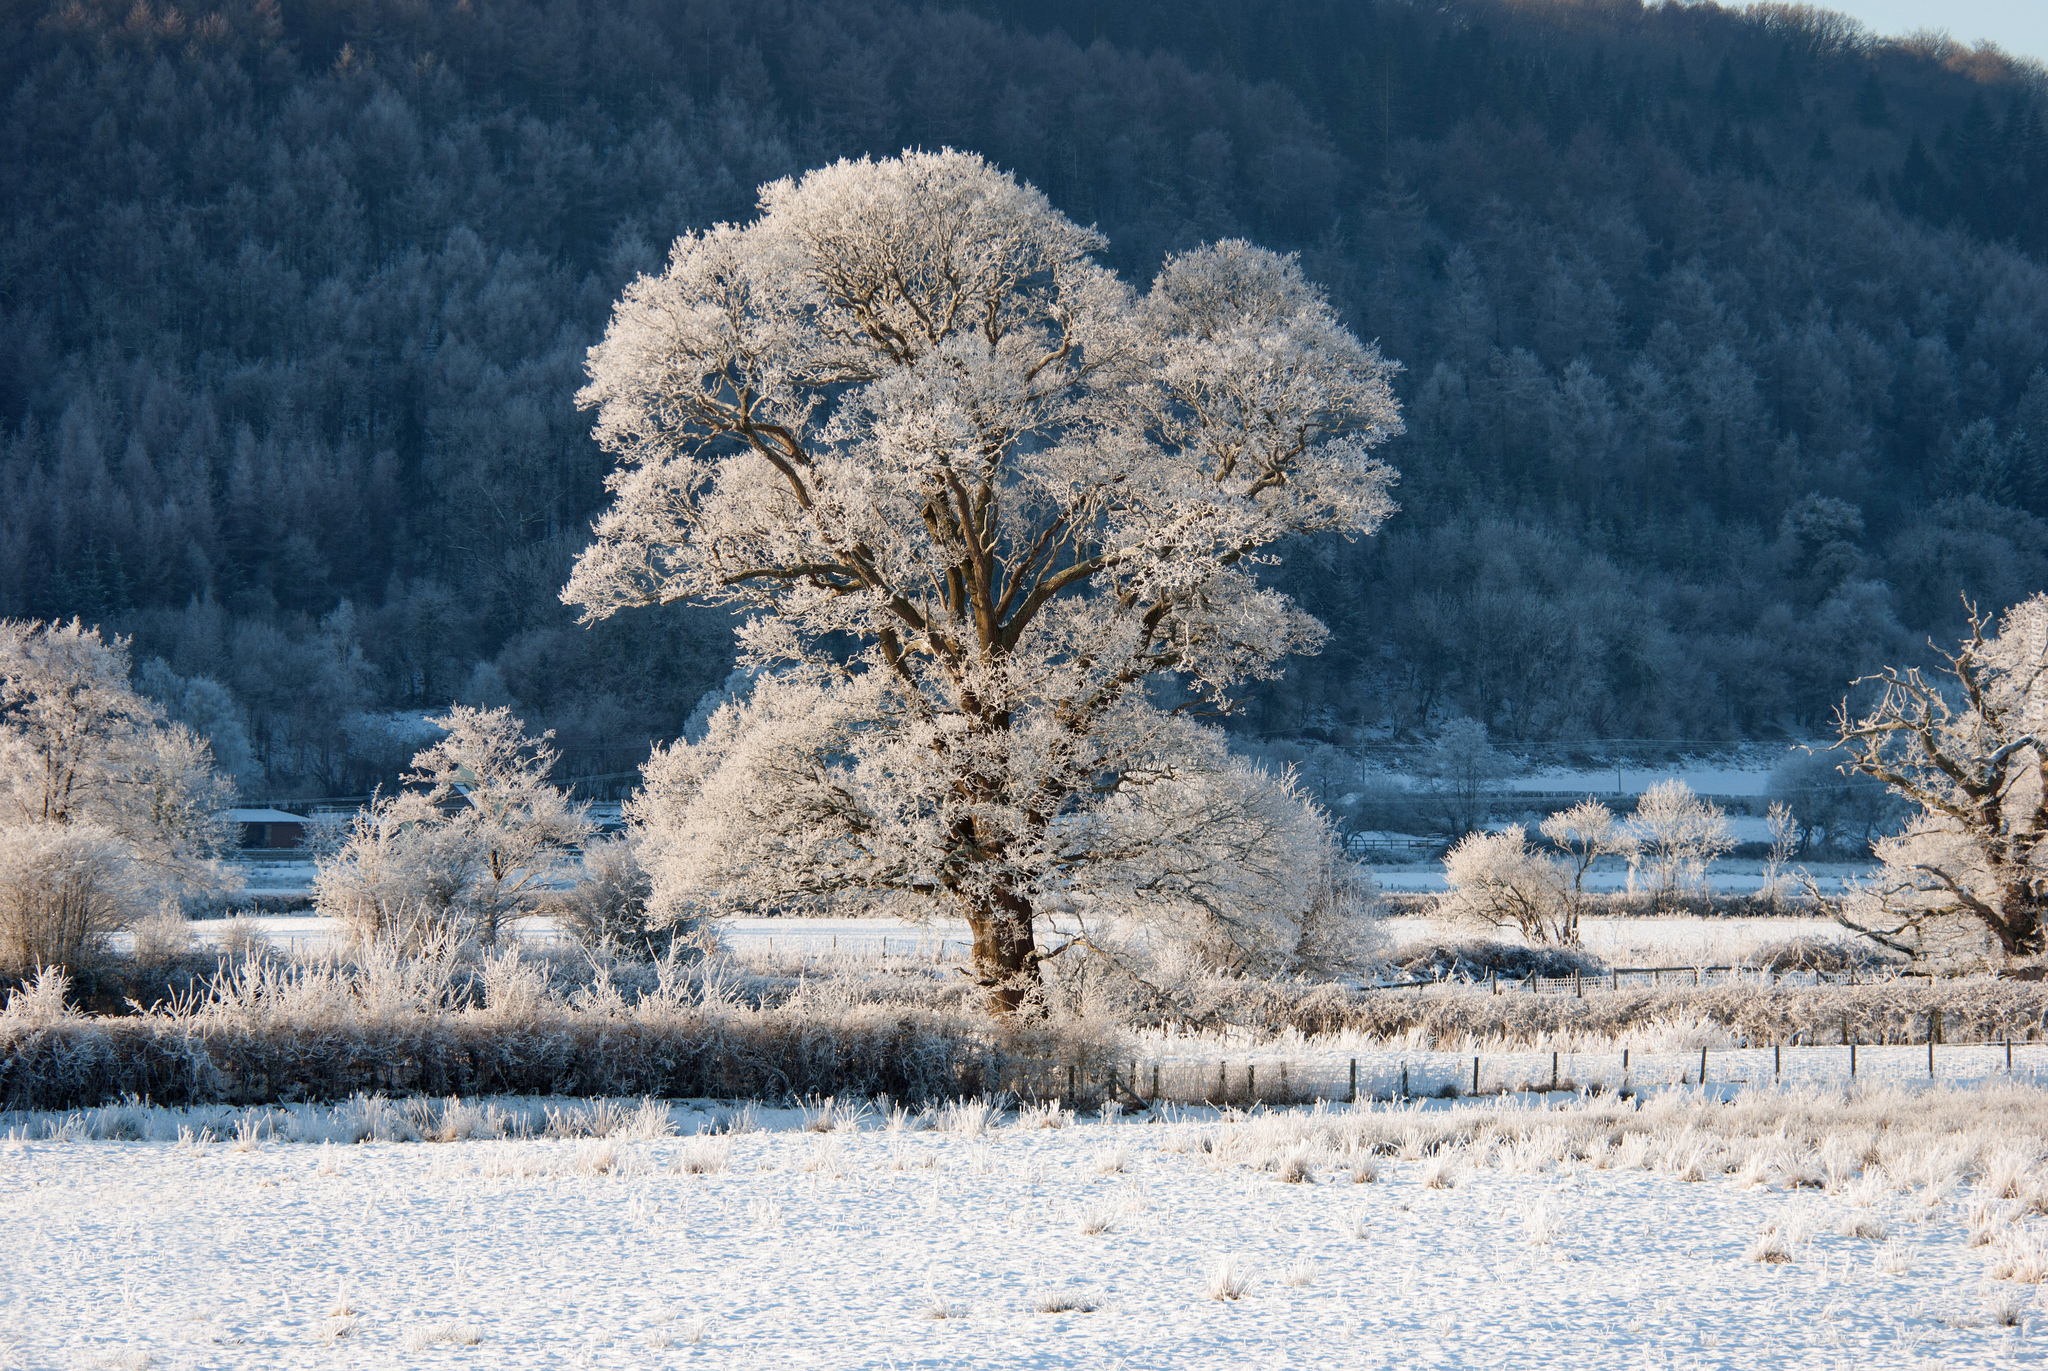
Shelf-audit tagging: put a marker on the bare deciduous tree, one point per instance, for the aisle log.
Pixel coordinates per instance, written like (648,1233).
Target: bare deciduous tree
(1967,749)
(1677,835)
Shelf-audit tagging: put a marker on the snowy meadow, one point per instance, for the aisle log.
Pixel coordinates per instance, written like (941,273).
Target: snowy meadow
(1895,1225)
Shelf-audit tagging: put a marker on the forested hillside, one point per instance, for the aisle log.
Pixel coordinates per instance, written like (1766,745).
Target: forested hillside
(1726,334)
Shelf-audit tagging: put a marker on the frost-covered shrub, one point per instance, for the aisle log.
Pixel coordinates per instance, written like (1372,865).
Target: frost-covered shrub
(396,878)
(63,888)
(1497,881)
(1677,835)
(1828,956)
(1476,961)
(607,906)
(163,936)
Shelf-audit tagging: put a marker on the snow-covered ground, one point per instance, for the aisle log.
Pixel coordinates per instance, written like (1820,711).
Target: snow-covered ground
(1622,942)
(1705,779)
(1723,877)
(1563,1241)
(1652,942)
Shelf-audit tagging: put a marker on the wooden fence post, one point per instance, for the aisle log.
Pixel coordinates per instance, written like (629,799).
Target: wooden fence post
(1354,1082)
(1475,1075)
(1553,1071)
(1703,1065)
(1251,1085)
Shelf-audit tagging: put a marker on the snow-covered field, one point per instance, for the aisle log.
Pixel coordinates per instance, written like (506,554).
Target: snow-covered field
(1508,1236)
(1654,942)
(1622,942)
(1723,877)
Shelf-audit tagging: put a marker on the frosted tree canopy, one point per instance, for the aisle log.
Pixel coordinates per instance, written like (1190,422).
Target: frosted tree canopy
(996,517)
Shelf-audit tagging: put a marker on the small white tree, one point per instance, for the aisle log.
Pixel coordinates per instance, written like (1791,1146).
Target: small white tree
(1585,833)
(472,849)
(1972,752)
(81,750)
(1498,881)
(494,779)
(976,492)
(1678,835)
(1464,770)
(1786,839)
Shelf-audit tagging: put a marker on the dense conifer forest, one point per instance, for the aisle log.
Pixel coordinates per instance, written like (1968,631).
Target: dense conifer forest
(1725,333)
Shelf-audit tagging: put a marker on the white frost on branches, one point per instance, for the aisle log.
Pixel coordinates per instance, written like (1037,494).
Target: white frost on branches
(105,808)
(1677,835)
(469,851)
(906,410)
(1498,881)
(1969,871)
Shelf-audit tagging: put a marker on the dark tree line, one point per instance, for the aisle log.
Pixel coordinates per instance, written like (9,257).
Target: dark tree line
(1725,332)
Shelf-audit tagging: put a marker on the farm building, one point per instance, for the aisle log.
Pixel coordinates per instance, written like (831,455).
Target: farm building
(263,828)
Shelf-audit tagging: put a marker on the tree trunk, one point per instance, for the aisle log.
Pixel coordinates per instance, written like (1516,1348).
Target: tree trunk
(2018,927)
(1005,956)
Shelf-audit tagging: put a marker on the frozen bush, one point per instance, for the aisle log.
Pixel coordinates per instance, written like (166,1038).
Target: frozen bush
(1476,961)
(63,888)
(394,879)
(607,906)
(1229,1278)
(1677,835)
(163,936)
(1496,881)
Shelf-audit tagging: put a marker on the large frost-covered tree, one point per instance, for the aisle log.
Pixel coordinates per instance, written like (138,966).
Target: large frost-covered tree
(1968,747)
(998,518)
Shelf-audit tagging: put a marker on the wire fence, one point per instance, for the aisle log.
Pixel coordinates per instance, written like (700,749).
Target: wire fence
(1251,1080)
(1662,977)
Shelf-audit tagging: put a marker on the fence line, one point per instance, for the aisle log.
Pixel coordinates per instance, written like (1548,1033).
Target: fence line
(1614,979)
(1246,1081)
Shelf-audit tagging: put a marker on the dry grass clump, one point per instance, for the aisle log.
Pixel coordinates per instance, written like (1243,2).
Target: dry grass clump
(1062,1302)
(705,1155)
(2021,1254)
(453,1331)
(1228,1278)
(1543,1223)
(1772,1246)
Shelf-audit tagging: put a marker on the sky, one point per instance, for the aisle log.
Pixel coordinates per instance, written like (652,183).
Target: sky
(2018,26)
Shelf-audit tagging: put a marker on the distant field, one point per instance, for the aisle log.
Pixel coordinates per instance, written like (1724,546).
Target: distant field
(1630,942)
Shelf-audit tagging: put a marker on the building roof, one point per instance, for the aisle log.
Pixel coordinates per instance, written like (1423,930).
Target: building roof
(264,816)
